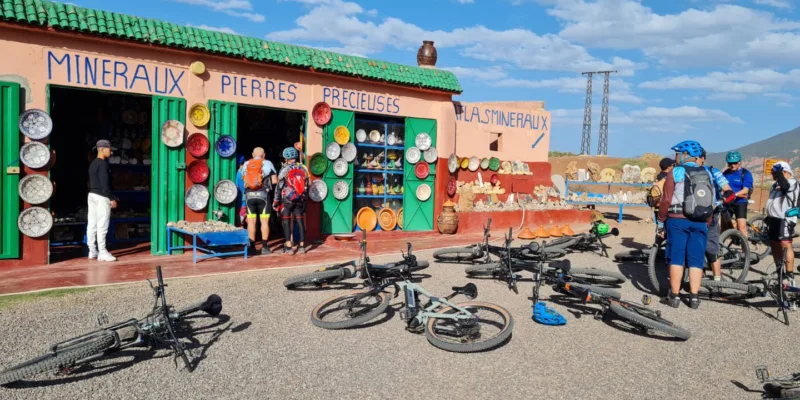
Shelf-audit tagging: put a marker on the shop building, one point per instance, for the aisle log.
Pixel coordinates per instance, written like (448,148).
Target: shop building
(107,75)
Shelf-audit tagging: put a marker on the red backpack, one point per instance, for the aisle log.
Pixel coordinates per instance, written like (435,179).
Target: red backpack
(295,184)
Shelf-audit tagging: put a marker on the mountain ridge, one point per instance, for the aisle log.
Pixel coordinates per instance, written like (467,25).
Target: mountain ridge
(784,146)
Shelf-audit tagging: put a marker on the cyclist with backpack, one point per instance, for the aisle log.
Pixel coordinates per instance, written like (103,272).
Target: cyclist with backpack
(290,198)
(741,181)
(259,179)
(782,216)
(724,197)
(686,208)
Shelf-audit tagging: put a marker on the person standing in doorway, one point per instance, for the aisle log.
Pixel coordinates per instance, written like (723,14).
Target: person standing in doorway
(290,198)
(101,201)
(259,179)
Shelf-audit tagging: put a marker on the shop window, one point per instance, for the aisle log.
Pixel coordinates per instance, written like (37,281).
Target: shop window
(495,141)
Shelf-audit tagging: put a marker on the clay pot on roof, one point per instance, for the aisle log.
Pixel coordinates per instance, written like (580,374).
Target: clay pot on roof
(426,56)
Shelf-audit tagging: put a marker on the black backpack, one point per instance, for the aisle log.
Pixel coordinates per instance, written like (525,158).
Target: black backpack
(698,194)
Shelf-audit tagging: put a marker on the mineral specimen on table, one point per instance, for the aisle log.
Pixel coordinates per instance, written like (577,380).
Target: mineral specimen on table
(203,227)
(466,197)
(572,171)
(648,175)
(594,171)
(608,175)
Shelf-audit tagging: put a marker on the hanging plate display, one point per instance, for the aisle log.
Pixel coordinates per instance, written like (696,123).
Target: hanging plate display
(318,164)
(333,151)
(199,114)
(474,163)
(423,141)
(226,146)
(197,145)
(423,192)
(386,219)
(494,163)
(35,189)
(464,163)
(34,155)
(340,167)
(172,133)
(225,191)
(431,155)
(349,152)
(400,218)
(340,190)
(197,197)
(366,219)
(452,186)
(35,124)
(321,113)
(452,163)
(35,222)
(361,135)
(197,171)
(412,155)
(421,170)
(341,135)
(318,190)
(375,136)
(484,163)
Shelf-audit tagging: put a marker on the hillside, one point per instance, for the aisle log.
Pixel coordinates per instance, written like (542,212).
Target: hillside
(785,146)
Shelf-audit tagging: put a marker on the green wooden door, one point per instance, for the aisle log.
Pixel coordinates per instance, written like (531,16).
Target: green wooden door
(418,215)
(337,215)
(9,151)
(223,122)
(168,178)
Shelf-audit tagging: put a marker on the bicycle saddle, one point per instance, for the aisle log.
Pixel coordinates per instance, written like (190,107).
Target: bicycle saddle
(563,265)
(534,247)
(469,290)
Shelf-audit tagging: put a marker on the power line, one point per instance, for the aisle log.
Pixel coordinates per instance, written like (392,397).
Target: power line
(586,135)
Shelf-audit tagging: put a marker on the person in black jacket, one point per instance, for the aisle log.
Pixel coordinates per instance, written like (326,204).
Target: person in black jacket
(101,201)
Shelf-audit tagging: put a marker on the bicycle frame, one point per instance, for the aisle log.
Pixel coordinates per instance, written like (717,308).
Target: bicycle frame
(419,317)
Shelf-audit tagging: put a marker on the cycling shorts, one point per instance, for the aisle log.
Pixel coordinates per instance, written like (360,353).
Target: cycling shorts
(740,209)
(257,204)
(780,230)
(296,209)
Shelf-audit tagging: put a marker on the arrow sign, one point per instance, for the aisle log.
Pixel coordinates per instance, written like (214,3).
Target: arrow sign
(537,141)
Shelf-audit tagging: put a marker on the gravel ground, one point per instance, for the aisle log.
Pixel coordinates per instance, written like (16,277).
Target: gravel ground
(266,347)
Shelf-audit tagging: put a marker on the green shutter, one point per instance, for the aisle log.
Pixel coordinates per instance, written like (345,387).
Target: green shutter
(417,215)
(337,215)
(223,122)
(9,151)
(168,180)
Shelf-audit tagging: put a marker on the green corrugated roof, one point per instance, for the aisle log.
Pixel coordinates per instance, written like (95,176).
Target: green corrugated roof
(67,17)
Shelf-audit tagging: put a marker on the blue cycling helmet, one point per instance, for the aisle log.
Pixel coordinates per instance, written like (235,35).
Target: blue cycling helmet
(733,157)
(690,147)
(290,153)
(240,160)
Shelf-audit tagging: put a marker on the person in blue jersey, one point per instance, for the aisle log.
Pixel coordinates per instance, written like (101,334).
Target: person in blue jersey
(724,196)
(241,201)
(741,181)
(685,210)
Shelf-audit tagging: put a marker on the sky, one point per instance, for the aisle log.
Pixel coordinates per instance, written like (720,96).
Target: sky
(723,72)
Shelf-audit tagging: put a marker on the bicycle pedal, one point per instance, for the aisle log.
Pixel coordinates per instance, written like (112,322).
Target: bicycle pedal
(762,373)
(646,300)
(102,319)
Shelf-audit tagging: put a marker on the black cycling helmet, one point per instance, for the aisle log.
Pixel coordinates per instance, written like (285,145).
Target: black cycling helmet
(666,162)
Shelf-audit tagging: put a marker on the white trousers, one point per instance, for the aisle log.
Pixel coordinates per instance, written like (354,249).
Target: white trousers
(97,224)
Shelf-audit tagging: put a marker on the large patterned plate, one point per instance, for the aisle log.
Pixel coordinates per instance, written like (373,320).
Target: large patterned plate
(225,191)
(226,146)
(349,152)
(172,133)
(34,155)
(340,167)
(452,163)
(423,141)
(423,192)
(333,151)
(35,124)
(413,155)
(430,155)
(318,164)
(35,189)
(197,197)
(35,222)
(341,190)
(318,190)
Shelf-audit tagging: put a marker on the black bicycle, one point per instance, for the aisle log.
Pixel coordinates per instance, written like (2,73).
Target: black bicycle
(591,241)
(363,269)
(157,327)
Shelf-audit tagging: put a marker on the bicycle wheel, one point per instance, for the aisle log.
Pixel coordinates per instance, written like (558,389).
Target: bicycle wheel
(758,235)
(62,358)
(483,269)
(316,278)
(419,266)
(490,327)
(728,287)
(734,254)
(637,255)
(598,276)
(356,308)
(648,319)
(657,270)
(457,255)
(598,289)
(562,242)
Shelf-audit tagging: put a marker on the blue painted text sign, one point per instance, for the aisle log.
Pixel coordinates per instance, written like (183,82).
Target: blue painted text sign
(100,72)
(242,86)
(360,101)
(511,119)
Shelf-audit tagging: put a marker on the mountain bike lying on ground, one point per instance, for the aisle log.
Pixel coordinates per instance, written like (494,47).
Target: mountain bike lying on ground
(335,273)
(464,328)
(784,387)
(481,253)
(771,285)
(157,327)
(591,241)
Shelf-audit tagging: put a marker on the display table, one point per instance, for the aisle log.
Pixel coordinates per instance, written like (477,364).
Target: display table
(608,184)
(208,241)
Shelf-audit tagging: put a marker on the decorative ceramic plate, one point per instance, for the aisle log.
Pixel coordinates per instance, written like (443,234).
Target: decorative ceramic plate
(226,146)
(474,163)
(349,152)
(464,163)
(35,222)
(412,155)
(225,191)
(391,140)
(318,190)
(340,167)
(494,179)
(366,219)
(494,163)
(386,219)
(341,135)
(484,163)
(516,167)
(452,163)
(430,155)
(526,167)
(422,170)
(400,218)
(506,166)
(197,145)
(34,155)
(198,171)
(333,151)
(35,124)
(197,197)
(375,136)
(340,190)
(423,141)
(321,113)
(172,133)
(35,189)
(318,164)
(361,135)
(199,114)
(452,186)
(423,192)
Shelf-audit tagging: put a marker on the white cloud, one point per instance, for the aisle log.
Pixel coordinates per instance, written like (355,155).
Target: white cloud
(223,29)
(573,118)
(482,74)
(372,13)
(466,1)
(783,104)
(234,8)
(730,85)
(685,113)
(726,96)
(774,3)
(779,96)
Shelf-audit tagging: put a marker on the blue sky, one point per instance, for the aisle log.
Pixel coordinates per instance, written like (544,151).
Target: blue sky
(723,72)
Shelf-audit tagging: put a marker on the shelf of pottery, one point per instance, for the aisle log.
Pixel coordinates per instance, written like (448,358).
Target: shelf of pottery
(378,182)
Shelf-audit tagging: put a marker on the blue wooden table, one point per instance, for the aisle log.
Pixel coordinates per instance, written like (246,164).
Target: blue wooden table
(210,240)
(608,184)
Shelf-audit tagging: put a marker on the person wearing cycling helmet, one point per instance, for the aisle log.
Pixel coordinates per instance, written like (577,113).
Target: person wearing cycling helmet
(782,216)
(724,196)
(290,198)
(741,181)
(684,215)
(259,179)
